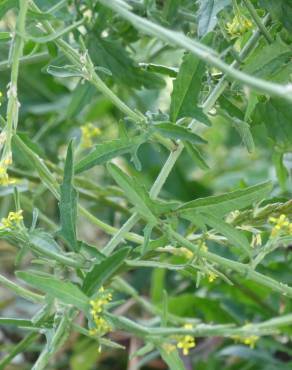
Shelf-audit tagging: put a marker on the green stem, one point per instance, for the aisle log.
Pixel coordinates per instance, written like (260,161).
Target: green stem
(202,330)
(62,259)
(55,342)
(109,229)
(28,59)
(121,285)
(20,347)
(178,39)
(20,291)
(17,50)
(242,268)
(258,20)
(223,83)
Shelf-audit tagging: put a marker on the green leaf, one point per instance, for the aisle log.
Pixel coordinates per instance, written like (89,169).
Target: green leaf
(243,129)
(44,241)
(136,194)
(103,271)
(37,163)
(186,88)
(177,132)
(81,96)
(267,61)
(5,36)
(68,203)
(106,151)
(275,115)
(207,14)
(170,10)
(112,55)
(196,156)
(281,170)
(158,68)
(64,71)
(158,278)
(280,10)
(64,291)
(171,358)
(6,5)
(220,205)
(235,237)
(123,323)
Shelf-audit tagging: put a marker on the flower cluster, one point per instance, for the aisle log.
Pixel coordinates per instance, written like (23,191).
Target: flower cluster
(248,341)
(186,342)
(97,306)
(239,25)
(12,220)
(212,276)
(281,225)
(5,180)
(89,132)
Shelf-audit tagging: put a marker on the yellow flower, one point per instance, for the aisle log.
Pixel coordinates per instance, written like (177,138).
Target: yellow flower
(89,132)
(12,220)
(239,25)
(212,276)
(97,306)
(248,341)
(186,342)
(282,224)
(6,161)
(16,216)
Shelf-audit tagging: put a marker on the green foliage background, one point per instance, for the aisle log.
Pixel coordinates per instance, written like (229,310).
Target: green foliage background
(192,100)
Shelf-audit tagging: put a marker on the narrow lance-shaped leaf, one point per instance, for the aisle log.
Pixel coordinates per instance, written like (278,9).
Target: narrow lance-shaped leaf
(178,133)
(68,203)
(64,71)
(220,205)
(103,271)
(64,291)
(136,194)
(107,151)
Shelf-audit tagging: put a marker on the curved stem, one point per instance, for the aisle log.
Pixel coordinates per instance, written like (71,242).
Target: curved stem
(178,39)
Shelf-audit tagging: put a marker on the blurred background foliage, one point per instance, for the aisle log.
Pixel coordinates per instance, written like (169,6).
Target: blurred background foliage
(55,109)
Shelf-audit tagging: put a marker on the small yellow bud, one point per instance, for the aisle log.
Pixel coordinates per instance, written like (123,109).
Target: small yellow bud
(186,342)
